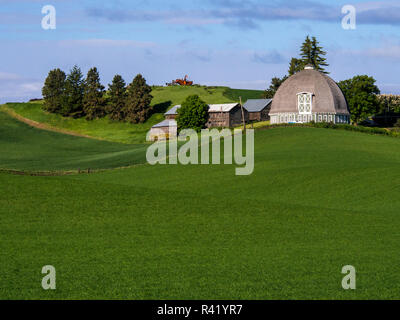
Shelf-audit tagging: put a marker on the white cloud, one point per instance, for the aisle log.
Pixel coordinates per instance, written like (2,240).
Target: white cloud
(107,43)
(14,87)
(374,5)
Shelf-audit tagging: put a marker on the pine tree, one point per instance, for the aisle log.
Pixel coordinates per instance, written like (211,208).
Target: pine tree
(306,52)
(117,92)
(137,108)
(295,66)
(53,91)
(93,99)
(73,94)
(319,61)
(311,53)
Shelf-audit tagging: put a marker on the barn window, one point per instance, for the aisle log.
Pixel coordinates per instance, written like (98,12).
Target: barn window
(304,102)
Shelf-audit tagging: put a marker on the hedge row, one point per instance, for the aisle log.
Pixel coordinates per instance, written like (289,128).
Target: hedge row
(348,127)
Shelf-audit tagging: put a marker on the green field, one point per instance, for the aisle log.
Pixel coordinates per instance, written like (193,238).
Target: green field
(164,99)
(27,148)
(318,199)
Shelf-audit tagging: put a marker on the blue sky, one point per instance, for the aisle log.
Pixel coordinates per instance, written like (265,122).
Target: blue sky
(241,44)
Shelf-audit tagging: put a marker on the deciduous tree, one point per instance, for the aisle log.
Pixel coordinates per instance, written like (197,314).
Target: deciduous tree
(361,95)
(274,86)
(193,113)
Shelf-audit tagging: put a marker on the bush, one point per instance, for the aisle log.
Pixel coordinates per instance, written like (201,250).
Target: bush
(329,125)
(193,114)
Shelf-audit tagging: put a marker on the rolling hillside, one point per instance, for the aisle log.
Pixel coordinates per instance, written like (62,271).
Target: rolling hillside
(164,98)
(318,200)
(27,148)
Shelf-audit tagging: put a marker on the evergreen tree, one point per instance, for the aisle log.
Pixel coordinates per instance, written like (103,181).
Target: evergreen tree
(311,53)
(73,94)
(93,99)
(295,66)
(53,91)
(306,52)
(117,92)
(318,56)
(137,108)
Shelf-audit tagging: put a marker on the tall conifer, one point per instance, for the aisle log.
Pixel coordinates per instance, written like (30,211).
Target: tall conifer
(93,99)
(137,108)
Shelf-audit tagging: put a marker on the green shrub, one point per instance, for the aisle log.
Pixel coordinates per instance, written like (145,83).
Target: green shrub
(348,127)
(193,113)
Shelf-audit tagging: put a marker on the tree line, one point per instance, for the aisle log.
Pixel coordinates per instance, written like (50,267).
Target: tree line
(74,96)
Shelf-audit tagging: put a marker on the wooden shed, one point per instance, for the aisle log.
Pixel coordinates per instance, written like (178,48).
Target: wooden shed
(258,109)
(225,115)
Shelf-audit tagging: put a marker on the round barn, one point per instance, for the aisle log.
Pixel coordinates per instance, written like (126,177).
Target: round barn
(309,95)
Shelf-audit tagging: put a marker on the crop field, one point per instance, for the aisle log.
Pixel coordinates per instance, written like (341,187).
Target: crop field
(30,149)
(318,200)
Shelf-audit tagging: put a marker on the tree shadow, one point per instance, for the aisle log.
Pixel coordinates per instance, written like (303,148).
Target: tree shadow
(162,107)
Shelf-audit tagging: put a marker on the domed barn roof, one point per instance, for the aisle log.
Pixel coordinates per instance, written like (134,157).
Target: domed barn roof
(327,96)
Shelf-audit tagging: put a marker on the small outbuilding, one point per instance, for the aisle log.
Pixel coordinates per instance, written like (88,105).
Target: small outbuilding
(309,95)
(225,115)
(258,109)
(164,130)
(172,113)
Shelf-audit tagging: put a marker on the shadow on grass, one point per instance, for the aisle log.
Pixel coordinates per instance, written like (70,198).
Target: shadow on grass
(162,107)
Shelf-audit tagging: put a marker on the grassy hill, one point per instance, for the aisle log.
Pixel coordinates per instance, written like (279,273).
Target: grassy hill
(318,200)
(27,148)
(164,98)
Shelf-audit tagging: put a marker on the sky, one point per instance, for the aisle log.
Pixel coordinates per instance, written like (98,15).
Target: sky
(236,43)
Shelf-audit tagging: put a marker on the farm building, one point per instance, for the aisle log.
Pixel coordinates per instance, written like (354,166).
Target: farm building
(309,95)
(226,115)
(172,113)
(258,109)
(163,130)
(219,115)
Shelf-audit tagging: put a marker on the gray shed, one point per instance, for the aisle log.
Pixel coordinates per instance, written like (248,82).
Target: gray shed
(258,109)
(172,113)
